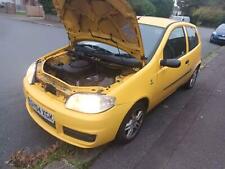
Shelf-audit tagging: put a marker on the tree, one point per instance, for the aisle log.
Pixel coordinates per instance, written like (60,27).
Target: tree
(48,6)
(143,7)
(204,12)
(205,16)
(164,8)
(189,6)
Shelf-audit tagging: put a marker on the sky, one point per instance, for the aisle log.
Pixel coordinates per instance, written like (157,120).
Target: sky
(175,2)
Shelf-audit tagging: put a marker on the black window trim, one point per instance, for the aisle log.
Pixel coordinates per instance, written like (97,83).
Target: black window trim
(186,26)
(163,35)
(156,49)
(185,35)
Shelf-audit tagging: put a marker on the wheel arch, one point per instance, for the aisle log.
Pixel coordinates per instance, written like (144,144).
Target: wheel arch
(144,101)
(199,66)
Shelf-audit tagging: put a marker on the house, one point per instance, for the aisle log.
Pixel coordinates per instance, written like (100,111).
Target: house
(21,4)
(30,7)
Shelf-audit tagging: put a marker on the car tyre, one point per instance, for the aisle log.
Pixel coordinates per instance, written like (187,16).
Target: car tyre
(191,83)
(131,124)
(211,39)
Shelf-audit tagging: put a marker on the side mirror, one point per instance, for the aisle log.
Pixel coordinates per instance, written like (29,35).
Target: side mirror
(172,63)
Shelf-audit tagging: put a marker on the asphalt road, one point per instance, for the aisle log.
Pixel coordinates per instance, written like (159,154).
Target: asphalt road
(206,46)
(20,44)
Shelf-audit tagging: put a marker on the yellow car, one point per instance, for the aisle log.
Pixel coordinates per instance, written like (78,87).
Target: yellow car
(116,68)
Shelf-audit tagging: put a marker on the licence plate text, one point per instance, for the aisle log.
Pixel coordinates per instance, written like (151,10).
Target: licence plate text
(44,114)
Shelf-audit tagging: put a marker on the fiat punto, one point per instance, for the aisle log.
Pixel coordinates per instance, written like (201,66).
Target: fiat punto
(116,68)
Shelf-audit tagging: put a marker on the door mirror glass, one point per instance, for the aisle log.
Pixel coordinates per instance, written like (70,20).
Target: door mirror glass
(172,63)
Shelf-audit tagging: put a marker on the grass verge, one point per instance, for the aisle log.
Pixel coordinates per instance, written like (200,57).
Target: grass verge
(23,13)
(70,155)
(210,56)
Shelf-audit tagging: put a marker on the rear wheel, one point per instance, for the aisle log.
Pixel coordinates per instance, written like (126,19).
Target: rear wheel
(191,83)
(131,124)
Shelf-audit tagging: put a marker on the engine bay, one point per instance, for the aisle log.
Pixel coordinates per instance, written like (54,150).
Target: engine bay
(77,69)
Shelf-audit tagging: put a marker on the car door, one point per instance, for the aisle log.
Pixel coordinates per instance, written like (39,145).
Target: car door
(169,79)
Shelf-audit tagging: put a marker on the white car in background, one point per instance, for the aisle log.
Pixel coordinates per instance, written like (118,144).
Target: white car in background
(181,18)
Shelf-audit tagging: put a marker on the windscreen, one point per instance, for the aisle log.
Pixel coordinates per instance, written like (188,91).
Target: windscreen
(151,38)
(104,46)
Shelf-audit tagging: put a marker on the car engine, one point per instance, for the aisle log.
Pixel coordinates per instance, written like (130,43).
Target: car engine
(85,72)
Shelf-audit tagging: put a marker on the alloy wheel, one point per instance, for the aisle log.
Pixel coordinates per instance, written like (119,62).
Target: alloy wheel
(193,79)
(134,124)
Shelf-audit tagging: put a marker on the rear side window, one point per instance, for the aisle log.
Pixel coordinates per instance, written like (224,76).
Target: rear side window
(176,44)
(192,38)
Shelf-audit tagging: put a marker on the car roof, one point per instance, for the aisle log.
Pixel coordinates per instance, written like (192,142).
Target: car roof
(156,21)
(222,26)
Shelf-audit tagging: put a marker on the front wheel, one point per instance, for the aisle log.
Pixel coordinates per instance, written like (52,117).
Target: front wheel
(191,83)
(131,124)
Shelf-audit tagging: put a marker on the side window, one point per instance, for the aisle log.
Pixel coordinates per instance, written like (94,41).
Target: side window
(176,45)
(192,38)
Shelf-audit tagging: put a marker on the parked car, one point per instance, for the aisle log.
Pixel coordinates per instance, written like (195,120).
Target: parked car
(181,18)
(2,5)
(218,36)
(115,70)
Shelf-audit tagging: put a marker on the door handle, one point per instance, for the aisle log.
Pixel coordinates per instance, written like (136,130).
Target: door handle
(187,62)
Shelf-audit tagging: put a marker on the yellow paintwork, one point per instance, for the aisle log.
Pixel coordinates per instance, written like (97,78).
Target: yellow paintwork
(155,21)
(152,83)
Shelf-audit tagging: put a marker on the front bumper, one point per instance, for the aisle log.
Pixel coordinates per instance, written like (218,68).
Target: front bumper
(79,129)
(217,40)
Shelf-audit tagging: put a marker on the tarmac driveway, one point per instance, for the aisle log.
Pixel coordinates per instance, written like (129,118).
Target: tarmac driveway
(21,44)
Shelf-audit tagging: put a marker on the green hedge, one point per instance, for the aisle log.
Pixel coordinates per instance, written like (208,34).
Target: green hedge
(208,16)
(143,7)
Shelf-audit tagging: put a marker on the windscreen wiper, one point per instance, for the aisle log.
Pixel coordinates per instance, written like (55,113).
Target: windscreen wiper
(93,48)
(124,55)
(89,51)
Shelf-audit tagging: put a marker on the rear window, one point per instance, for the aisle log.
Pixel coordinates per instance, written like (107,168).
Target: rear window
(192,37)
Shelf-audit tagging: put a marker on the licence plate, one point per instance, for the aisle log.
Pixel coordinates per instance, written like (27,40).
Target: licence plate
(41,112)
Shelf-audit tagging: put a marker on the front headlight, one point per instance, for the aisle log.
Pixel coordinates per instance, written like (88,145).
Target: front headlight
(90,103)
(214,33)
(31,73)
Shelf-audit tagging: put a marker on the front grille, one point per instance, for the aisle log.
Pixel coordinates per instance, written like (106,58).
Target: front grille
(79,135)
(51,89)
(56,89)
